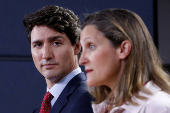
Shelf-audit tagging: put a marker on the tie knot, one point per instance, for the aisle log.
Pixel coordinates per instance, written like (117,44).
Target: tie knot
(46,105)
(48,97)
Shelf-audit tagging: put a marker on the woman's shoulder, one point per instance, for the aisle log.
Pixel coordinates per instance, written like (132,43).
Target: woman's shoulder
(159,102)
(158,95)
(159,98)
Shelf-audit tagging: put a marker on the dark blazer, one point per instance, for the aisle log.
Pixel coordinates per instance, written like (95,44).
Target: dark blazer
(74,98)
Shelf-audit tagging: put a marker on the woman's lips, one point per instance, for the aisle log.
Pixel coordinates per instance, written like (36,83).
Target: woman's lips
(88,70)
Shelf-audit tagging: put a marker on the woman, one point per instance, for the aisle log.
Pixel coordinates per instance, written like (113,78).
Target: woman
(122,65)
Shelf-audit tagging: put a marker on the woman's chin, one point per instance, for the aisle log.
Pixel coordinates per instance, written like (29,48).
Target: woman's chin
(91,83)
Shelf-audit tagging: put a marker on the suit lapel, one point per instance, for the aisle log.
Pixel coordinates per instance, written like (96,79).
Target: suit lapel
(68,91)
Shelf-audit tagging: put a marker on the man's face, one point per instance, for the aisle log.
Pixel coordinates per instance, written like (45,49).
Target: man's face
(53,54)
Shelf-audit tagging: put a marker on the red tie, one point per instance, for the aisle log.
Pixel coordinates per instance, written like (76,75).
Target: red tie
(46,103)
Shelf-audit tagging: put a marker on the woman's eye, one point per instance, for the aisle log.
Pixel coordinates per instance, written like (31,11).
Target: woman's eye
(92,47)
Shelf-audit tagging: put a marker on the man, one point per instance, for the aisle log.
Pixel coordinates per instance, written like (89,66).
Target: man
(53,33)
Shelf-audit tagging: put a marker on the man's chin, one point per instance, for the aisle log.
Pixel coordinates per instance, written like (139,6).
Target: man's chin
(50,76)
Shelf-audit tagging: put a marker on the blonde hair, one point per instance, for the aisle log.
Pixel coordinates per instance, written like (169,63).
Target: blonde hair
(143,63)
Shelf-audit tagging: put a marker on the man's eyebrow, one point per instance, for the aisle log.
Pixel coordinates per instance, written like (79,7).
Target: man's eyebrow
(54,38)
(49,39)
(36,41)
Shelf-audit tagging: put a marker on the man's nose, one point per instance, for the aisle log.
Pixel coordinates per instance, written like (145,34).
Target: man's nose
(47,52)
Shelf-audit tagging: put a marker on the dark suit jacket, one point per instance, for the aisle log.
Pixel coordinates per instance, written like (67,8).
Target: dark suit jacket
(74,98)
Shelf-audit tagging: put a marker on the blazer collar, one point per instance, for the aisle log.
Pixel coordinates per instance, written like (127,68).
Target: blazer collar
(68,90)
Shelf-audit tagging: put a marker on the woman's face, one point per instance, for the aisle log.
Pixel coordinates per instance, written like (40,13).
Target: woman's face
(100,58)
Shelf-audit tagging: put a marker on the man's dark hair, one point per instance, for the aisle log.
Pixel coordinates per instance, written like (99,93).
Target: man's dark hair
(56,18)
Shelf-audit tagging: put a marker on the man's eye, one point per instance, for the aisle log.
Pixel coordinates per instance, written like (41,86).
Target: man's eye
(57,43)
(37,45)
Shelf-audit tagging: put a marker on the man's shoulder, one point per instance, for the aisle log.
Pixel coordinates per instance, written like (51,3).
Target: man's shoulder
(78,80)
(79,100)
(80,84)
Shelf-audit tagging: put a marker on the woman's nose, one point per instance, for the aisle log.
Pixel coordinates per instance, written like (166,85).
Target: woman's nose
(83,59)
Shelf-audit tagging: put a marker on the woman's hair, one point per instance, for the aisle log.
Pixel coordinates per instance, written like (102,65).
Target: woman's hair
(143,63)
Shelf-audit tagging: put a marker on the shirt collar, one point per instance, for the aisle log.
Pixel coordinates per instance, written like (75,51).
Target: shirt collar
(60,85)
(135,109)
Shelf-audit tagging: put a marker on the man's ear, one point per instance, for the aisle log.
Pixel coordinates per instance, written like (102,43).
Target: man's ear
(124,49)
(77,48)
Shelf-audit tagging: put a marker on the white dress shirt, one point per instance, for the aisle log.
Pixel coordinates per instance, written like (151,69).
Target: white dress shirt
(61,84)
(159,102)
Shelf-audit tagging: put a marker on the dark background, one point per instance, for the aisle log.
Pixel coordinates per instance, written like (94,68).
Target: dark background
(164,31)
(22,87)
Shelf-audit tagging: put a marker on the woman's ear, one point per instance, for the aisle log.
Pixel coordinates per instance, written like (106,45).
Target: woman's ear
(77,48)
(124,49)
